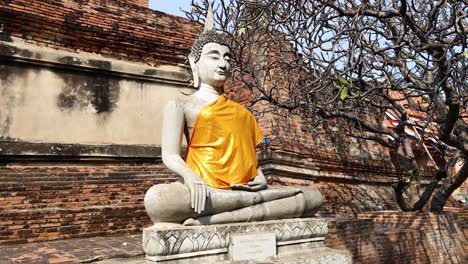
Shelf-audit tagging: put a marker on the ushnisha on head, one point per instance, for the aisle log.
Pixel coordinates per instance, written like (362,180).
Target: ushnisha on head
(210,56)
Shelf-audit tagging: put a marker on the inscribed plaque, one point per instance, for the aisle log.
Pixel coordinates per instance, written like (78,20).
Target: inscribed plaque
(252,246)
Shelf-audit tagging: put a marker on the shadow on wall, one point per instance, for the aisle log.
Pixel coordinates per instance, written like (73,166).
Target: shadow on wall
(348,199)
(395,237)
(327,141)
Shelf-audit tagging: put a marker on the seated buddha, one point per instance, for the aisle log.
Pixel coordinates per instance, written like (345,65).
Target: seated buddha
(220,178)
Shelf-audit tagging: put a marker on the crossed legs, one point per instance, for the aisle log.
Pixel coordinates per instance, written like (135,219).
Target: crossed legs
(171,203)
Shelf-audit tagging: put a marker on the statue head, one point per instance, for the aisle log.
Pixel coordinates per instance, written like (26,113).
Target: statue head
(210,57)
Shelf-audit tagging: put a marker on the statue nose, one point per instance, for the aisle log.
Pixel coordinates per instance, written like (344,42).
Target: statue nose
(222,63)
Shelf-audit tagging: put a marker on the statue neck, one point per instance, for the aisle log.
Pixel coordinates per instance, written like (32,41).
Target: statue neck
(208,92)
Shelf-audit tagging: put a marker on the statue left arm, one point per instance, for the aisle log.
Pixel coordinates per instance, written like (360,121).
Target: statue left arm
(257,184)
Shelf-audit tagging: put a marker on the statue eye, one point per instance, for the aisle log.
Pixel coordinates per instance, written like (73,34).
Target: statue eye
(214,57)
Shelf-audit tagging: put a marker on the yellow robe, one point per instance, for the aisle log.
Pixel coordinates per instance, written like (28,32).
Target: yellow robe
(222,148)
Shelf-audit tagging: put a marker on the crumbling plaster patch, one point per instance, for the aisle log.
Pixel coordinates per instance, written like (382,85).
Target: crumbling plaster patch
(62,97)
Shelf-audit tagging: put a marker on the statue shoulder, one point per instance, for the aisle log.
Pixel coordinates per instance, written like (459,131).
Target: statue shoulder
(186,106)
(172,105)
(178,104)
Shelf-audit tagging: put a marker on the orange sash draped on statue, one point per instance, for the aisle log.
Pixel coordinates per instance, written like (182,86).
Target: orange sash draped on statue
(222,148)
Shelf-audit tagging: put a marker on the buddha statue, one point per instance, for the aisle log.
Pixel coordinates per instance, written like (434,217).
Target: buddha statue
(221,182)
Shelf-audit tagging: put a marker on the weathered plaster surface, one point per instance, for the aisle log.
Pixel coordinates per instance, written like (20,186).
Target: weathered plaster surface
(50,96)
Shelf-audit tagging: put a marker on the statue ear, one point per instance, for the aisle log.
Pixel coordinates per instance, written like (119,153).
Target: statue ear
(193,66)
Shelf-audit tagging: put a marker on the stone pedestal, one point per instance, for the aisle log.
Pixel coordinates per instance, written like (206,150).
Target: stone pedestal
(298,240)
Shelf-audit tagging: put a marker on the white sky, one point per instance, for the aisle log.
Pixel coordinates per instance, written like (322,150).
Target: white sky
(170,6)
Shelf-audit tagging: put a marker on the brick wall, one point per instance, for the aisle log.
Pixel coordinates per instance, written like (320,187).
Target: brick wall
(42,203)
(53,201)
(395,237)
(462,213)
(347,198)
(143,3)
(60,201)
(113,28)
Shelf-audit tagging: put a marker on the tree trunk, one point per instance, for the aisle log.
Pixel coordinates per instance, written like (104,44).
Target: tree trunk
(428,191)
(407,163)
(399,189)
(451,183)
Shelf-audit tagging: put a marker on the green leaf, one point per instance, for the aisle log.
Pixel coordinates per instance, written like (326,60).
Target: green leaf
(342,80)
(343,93)
(465,54)
(242,30)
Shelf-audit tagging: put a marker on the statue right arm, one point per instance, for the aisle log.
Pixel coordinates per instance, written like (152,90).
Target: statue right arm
(172,131)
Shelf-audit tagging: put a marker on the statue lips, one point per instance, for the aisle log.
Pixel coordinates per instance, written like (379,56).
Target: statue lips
(222,74)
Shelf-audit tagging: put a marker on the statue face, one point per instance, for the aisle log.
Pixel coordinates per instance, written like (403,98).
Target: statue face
(214,65)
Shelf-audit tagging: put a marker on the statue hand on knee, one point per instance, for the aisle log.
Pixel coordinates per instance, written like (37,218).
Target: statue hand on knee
(198,193)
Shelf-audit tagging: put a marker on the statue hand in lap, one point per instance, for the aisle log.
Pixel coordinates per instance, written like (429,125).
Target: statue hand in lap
(221,181)
(257,184)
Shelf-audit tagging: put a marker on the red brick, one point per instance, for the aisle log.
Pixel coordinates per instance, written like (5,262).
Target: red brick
(376,240)
(57,25)
(78,201)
